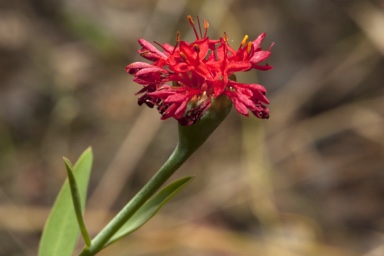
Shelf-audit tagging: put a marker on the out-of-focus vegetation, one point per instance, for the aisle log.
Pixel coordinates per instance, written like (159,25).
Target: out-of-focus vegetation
(308,181)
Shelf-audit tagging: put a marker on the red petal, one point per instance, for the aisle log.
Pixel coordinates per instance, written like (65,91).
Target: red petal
(218,87)
(238,66)
(238,104)
(187,50)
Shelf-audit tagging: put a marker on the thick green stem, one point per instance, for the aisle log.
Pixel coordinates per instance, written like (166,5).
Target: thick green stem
(190,139)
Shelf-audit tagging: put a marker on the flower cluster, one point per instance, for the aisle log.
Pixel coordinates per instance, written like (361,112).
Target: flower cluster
(183,80)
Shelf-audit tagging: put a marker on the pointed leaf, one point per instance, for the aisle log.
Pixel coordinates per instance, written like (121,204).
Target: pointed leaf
(76,200)
(150,208)
(61,229)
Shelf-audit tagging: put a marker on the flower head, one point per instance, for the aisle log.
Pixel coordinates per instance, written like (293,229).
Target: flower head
(183,80)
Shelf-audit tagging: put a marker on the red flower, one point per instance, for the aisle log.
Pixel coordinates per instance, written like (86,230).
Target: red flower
(182,80)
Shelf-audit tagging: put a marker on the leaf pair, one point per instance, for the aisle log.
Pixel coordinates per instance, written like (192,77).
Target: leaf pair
(66,218)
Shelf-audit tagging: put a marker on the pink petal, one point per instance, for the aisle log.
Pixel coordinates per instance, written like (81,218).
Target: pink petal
(134,67)
(177,97)
(168,48)
(150,70)
(259,57)
(181,109)
(262,67)
(238,104)
(257,42)
(148,46)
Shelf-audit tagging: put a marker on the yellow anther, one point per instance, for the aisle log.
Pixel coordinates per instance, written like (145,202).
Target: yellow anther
(225,37)
(245,39)
(190,19)
(249,47)
(183,55)
(206,26)
(196,47)
(178,36)
(192,23)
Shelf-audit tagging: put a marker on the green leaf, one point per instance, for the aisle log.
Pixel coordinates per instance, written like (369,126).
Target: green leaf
(61,229)
(149,209)
(76,200)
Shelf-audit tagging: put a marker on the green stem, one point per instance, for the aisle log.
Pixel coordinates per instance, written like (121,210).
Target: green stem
(190,139)
(177,158)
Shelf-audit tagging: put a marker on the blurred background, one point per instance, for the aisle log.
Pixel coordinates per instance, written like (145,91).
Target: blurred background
(308,181)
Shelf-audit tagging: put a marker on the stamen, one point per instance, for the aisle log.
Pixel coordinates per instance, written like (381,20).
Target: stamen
(198,22)
(197,50)
(206,26)
(244,40)
(183,55)
(177,41)
(162,47)
(225,37)
(270,47)
(249,47)
(196,47)
(177,37)
(190,19)
(144,53)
